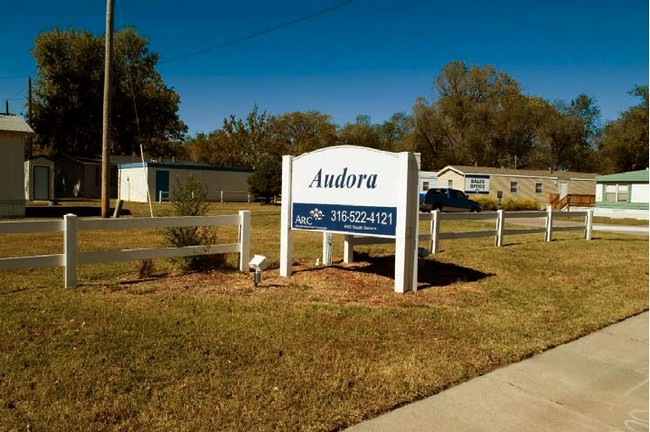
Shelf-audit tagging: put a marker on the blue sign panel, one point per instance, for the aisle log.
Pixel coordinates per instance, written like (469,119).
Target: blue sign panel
(345,218)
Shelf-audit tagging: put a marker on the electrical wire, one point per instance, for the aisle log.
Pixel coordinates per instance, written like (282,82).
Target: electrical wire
(257,33)
(137,120)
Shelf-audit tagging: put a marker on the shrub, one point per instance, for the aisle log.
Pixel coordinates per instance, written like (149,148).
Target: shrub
(486,202)
(517,204)
(508,203)
(189,198)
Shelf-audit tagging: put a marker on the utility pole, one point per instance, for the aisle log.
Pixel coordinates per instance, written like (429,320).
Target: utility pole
(106,129)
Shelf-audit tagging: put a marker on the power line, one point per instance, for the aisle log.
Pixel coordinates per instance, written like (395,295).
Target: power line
(258,33)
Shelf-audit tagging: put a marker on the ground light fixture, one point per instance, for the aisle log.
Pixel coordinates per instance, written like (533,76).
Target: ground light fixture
(258,263)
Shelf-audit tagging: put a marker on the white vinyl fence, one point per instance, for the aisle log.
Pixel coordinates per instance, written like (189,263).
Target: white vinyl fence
(71,257)
(547,219)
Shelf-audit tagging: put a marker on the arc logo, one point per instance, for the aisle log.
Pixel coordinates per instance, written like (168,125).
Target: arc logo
(315,215)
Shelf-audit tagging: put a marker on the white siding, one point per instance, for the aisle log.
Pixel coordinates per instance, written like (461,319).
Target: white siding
(132,184)
(640,193)
(599,192)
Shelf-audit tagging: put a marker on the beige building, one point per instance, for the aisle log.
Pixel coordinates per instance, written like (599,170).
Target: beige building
(13,132)
(539,185)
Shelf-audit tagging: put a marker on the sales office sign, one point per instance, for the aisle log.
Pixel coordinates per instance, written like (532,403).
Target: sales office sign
(345,189)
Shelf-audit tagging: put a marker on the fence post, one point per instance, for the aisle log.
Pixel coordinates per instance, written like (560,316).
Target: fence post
(244,239)
(70,250)
(221,197)
(249,198)
(500,228)
(549,224)
(589,223)
(435,231)
(348,249)
(327,249)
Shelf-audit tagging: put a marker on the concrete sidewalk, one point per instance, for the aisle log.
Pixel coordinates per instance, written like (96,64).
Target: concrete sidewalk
(596,383)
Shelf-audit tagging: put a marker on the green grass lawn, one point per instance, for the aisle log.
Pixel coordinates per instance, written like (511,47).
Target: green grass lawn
(321,350)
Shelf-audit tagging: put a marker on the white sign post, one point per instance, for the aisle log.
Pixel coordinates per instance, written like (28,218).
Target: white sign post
(354,191)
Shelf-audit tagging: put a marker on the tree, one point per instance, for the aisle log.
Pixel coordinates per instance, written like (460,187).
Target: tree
(479,117)
(299,132)
(360,133)
(217,148)
(266,181)
(67,105)
(247,141)
(244,142)
(624,145)
(567,135)
(394,131)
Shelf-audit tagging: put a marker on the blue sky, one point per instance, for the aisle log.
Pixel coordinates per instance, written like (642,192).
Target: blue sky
(373,57)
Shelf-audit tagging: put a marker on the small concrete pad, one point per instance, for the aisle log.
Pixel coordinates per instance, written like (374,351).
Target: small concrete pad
(597,383)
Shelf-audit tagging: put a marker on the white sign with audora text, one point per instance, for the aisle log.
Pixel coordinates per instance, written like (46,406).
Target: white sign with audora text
(353,191)
(345,190)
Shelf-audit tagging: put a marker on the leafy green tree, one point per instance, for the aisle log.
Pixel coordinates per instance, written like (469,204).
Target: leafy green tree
(217,148)
(394,131)
(244,142)
(624,145)
(68,92)
(247,140)
(360,133)
(566,138)
(266,181)
(299,132)
(478,117)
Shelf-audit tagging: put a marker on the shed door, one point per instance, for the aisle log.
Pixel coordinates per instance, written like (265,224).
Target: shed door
(564,189)
(41,183)
(162,185)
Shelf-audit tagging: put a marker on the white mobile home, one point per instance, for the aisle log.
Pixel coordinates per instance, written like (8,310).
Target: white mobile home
(623,195)
(156,181)
(13,132)
(427,180)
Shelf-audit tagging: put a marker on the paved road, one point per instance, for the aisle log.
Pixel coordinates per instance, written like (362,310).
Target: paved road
(597,383)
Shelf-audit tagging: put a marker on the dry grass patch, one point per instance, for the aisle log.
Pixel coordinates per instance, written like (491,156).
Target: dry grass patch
(321,350)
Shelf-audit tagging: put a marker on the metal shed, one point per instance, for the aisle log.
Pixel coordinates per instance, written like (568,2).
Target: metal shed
(139,181)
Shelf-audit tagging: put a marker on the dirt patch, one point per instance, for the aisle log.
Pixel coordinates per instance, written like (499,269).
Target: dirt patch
(369,283)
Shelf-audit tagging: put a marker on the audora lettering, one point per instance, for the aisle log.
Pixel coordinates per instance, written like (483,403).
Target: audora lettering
(343,180)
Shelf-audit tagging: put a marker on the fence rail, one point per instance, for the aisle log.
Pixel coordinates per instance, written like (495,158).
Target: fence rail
(500,218)
(71,257)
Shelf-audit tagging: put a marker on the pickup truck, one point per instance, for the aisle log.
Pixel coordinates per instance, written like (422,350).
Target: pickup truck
(446,199)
